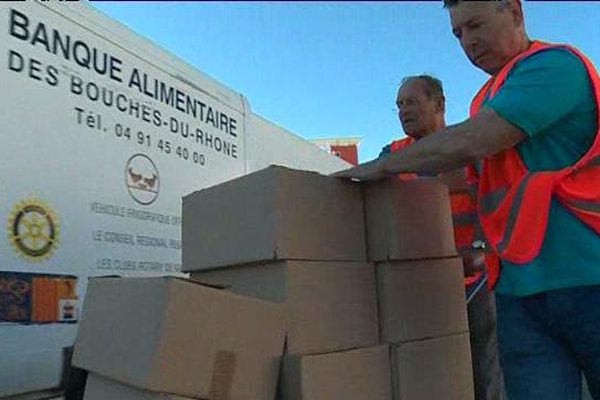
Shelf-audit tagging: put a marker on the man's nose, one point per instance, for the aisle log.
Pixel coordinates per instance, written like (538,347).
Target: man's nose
(469,43)
(404,112)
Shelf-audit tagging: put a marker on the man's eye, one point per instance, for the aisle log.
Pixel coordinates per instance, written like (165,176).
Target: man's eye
(456,33)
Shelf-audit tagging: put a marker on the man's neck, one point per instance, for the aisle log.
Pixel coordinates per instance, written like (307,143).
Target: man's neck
(438,128)
(524,45)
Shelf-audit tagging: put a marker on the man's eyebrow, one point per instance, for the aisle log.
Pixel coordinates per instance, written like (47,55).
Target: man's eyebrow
(466,21)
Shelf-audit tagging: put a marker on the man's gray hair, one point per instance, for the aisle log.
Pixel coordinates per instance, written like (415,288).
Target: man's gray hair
(433,86)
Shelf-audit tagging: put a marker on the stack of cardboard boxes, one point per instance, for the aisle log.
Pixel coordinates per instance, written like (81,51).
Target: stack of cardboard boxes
(422,307)
(297,238)
(362,280)
(368,275)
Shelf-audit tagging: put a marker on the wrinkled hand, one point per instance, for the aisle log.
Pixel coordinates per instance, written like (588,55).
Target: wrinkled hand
(369,171)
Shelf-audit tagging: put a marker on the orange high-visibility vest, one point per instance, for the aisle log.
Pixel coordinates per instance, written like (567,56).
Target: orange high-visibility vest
(398,145)
(513,203)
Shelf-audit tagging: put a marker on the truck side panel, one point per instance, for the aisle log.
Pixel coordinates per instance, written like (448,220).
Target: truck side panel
(103,133)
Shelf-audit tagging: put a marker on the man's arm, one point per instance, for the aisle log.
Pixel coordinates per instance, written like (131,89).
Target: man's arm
(458,145)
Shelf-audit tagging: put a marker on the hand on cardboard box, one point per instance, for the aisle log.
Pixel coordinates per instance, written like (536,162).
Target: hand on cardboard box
(369,171)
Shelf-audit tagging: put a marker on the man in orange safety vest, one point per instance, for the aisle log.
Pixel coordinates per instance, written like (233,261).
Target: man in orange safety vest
(421,108)
(533,143)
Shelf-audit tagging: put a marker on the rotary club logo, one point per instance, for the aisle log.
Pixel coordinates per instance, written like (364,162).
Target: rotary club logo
(33,230)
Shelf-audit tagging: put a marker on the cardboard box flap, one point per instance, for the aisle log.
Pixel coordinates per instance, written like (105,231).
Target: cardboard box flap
(437,368)
(101,388)
(108,309)
(173,335)
(357,374)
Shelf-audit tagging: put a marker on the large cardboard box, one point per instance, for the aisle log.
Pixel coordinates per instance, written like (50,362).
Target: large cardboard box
(331,305)
(177,336)
(434,369)
(408,220)
(101,388)
(276,213)
(361,374)
(421,299)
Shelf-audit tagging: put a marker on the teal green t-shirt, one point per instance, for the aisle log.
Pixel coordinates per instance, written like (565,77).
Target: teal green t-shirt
(550,98)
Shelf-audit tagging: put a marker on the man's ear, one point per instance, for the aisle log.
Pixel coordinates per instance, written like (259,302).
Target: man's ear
(516,10)
(440,105)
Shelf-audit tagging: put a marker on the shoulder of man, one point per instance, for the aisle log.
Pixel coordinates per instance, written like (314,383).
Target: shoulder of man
(396,145)
(555,58)
(385,150)
(542,89)
(400,144)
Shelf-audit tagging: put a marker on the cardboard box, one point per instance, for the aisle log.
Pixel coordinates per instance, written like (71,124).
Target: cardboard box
(434,369)
(99,388)
(456,180)
(176,336)
(421,299)
(408,220)
(362,374)
(273,214)
(331,305)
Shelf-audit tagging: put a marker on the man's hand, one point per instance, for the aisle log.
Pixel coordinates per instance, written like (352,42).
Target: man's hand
(369,171)
(474,263)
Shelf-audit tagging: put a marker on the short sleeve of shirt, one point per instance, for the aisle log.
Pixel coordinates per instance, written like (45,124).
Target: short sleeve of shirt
(541,90)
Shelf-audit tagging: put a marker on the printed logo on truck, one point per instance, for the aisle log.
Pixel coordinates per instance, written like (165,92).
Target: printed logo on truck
(141,176)
(33,230)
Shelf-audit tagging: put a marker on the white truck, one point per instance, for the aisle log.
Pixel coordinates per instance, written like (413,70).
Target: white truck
(103,132)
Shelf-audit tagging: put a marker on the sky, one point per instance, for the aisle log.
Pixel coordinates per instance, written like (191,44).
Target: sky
(332,69)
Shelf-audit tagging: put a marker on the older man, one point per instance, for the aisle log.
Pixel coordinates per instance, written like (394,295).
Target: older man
(533,138)
(421,109)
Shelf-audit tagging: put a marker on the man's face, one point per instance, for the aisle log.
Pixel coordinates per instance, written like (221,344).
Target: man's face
(489,34)
(417,112)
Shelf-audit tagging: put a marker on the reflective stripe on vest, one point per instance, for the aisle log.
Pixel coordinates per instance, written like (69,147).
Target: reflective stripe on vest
(464,218)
